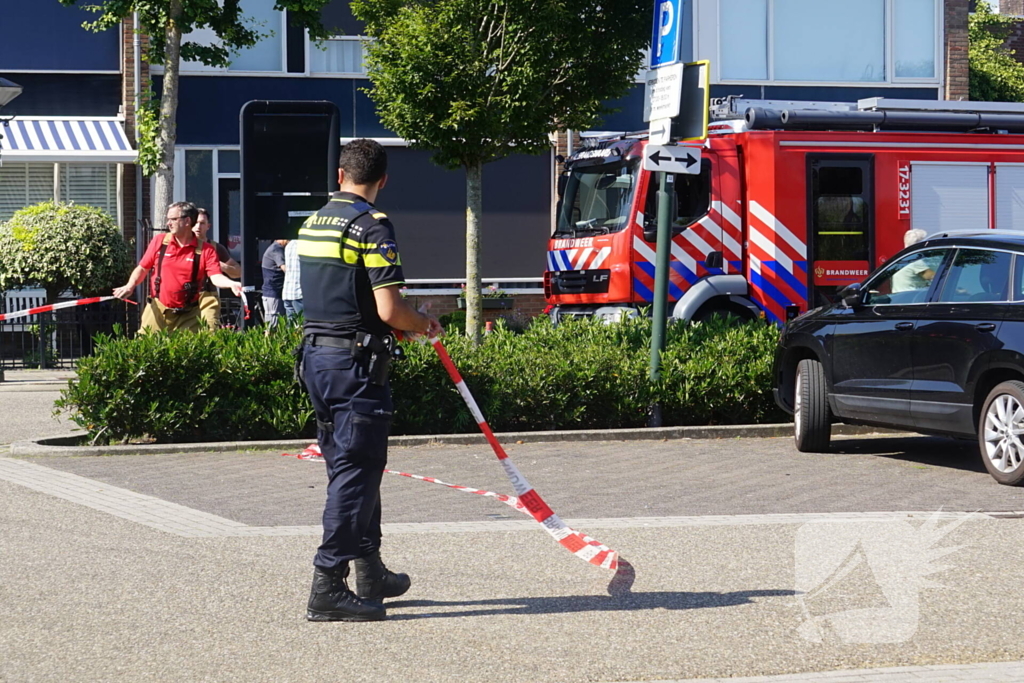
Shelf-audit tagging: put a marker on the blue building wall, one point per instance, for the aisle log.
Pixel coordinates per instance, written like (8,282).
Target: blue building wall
(44,35)
(208,106)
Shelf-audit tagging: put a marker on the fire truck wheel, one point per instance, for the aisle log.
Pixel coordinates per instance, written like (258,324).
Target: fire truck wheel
(811,414)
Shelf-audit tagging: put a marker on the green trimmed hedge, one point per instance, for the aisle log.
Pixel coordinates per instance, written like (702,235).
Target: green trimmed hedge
(227,385)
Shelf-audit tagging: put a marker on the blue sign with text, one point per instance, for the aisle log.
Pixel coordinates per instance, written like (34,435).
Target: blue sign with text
(666,38)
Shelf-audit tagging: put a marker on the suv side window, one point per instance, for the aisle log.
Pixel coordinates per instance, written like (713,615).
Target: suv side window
(977,275)
(905,281)
(1018,278)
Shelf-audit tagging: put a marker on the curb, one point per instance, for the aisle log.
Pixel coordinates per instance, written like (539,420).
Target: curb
(64,445)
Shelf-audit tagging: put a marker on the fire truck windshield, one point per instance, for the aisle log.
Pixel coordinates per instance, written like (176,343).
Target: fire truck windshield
(596,199)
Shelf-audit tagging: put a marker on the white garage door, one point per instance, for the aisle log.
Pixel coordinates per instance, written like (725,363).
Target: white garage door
(949,196)
(1010,196)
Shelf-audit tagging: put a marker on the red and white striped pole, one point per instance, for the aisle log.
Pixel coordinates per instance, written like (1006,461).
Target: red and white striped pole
(578,544)
(56,307)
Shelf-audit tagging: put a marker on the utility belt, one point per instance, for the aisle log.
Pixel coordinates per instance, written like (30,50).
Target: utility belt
(375,352)
(167,309)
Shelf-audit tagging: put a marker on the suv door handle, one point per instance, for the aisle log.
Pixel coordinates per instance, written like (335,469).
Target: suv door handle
(985,327)
(904,326)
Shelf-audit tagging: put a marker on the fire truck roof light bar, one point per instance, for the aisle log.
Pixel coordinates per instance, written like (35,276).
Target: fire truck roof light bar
(956,106)
(807,119)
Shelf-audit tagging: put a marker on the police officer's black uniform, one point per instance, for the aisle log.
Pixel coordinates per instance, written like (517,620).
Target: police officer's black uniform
(346,250)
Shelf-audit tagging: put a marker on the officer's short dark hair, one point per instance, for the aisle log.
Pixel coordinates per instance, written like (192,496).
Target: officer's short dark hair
(364,161)
(187,209)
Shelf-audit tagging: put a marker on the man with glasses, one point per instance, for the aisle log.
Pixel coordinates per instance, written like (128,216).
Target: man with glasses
(182,262)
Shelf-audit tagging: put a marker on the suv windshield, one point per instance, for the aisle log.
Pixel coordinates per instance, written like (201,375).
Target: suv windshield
(596,200)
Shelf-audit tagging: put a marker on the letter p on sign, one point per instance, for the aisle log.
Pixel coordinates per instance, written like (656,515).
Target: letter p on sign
(665,33)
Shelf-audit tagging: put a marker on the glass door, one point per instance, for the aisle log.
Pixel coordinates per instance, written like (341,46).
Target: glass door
(840,222)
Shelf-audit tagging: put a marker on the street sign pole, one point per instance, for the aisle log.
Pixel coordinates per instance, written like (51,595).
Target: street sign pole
(660,313)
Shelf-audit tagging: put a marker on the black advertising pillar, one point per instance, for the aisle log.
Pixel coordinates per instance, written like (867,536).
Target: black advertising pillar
(289,158)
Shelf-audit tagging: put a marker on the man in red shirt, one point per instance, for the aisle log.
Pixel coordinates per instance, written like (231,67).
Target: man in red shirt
(182,263)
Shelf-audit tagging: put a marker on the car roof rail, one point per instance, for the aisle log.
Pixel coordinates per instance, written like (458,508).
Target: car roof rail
(977,231)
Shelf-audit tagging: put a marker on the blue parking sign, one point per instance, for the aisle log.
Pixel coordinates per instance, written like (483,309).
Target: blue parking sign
(666,35)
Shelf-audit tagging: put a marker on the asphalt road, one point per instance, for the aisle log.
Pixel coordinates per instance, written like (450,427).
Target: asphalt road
(749,559)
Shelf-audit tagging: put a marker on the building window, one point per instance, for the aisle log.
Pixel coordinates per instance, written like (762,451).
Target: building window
(914,47)
(24,184)
(267,55)
(828,41)
(744,26)
(199,177)
(339,55)
(90,184)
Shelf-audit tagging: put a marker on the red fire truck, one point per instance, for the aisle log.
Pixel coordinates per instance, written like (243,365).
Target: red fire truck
(793,201)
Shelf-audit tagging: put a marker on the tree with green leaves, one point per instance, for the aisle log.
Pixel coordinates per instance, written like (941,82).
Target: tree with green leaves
(167,22)
(995,73)
(59,246)
(477,80)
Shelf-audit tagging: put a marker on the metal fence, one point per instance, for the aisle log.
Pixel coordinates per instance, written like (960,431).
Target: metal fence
(57,339)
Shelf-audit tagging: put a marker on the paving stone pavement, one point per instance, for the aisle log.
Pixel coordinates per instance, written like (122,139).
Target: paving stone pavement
(26,405)
(594,479)
(195,567)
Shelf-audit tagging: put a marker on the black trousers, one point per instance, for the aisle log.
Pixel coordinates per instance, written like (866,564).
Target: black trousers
(355,450)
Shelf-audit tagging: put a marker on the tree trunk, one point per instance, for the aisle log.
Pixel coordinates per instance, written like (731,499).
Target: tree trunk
(163,190)
(474,211)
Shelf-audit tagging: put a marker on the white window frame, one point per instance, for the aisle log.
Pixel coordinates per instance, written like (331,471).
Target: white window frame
(311,45)
(707,42)
(199,69)
(178,192)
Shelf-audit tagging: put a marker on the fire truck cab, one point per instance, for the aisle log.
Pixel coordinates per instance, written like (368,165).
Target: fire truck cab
(792,202)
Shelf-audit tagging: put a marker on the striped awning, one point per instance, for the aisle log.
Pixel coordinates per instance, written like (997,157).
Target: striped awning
(29,138)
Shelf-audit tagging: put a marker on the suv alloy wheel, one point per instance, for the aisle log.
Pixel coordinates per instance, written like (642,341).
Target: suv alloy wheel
(1001,433)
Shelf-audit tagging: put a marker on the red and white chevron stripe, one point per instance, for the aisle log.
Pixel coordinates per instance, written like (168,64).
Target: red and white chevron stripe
(578,544)
(54,307)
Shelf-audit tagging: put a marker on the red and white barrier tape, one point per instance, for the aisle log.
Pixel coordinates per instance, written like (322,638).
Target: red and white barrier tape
(55,307)
(312,452)
(578,544)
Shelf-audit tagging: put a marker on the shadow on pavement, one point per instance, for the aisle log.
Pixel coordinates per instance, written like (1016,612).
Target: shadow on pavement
(926,450)
(582,603)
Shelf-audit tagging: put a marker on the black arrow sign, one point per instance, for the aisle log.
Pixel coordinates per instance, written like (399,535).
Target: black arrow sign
(657,133)
(657,157)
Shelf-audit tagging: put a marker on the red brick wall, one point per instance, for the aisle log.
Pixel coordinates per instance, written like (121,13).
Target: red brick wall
(957,83)
(1012,7)
(128,109)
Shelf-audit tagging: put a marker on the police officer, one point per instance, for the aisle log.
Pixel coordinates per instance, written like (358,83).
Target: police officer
(350,275)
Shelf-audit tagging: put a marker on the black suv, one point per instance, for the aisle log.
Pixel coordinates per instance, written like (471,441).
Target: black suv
(931,342)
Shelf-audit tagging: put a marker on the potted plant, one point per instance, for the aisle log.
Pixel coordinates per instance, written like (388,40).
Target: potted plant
(492,298)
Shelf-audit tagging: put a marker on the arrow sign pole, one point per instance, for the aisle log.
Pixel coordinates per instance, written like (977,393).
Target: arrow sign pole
(660,313)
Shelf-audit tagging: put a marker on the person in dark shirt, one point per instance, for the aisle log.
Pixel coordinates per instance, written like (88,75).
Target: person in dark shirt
(351,275)
(273,282)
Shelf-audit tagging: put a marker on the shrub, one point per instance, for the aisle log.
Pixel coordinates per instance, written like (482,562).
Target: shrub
(579,375)
(62,246)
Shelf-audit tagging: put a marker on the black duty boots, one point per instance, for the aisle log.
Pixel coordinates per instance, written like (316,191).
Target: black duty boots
(375,582)
(331,600)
